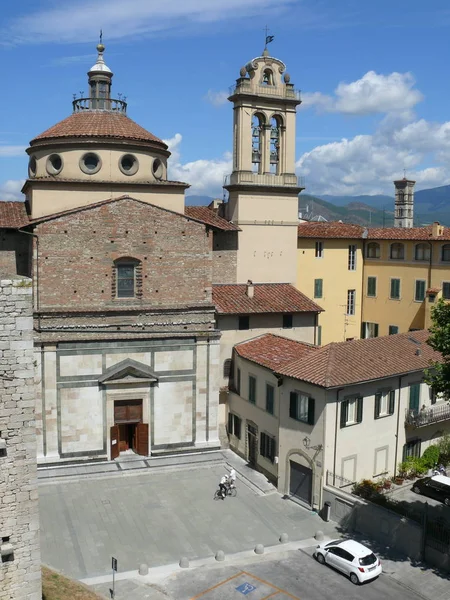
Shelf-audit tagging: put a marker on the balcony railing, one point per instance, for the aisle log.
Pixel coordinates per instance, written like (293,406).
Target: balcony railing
(111,104)
(245,86)
(269,179)
(427,416)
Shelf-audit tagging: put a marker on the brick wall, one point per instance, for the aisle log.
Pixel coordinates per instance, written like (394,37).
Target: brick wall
(225,246)
(20,564)
(77,254)
(15,249)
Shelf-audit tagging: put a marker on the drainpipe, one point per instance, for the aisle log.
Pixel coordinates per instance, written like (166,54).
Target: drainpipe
(35,278)
(362,284)
(398,422)
(335,435)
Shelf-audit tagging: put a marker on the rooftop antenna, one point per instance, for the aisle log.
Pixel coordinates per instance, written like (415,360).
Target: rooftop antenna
(404,173)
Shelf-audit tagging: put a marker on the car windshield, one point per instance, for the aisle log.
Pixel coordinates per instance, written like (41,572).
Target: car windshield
(368,560)
(335,543)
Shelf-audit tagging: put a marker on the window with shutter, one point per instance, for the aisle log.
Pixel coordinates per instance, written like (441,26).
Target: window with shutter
(301,407)
(311,410)
(344,407)
(292,405)
(359,410)
(372,287)
(230,424)
(420,290)
(395,289)
(252,389)
(351,411)
(318,288)
(377,405)
(393,329)
(270,391)
(391,402)
(414,397)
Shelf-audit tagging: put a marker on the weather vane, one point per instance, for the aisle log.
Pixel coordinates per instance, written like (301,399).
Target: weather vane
(269,38)
(101,36)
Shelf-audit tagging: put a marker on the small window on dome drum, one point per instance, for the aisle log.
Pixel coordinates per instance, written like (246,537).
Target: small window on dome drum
(32,166)
(157,169)
(54,164)
(128,164)
(90,163)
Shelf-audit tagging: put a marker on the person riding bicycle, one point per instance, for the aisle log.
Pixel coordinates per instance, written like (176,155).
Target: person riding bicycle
(223,486)
(232,478)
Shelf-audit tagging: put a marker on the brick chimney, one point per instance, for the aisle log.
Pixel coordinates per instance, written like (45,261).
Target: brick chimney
(250,289)
(437,229)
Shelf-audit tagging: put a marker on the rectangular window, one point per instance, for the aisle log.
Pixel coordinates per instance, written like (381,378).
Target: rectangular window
(433,395)
(351,412)
(252,389)
(270,394)
(319,249)
(267,446)
(384,403)
(369,330)
(287,321)
(419,295)
(234,425)
(301,407)
(414,397)
(244,322)
(411,448)
(446,290)
(125,280)
(393,329)
(238,380)
(352,257)
(318,288)
(372,287)
(395,289)
(351,297)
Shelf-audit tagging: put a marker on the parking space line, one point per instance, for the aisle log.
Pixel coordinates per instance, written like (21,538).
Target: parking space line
(217,585)
(279,590)
(275,593)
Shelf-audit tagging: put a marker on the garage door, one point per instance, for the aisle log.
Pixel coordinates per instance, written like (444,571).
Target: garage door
(300,483)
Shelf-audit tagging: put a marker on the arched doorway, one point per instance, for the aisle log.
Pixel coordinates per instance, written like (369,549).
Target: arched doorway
(299,477)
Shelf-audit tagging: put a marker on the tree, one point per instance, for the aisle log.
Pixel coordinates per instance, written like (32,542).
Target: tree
(438,375)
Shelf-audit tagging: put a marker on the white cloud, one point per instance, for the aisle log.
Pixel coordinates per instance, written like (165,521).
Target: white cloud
(372,94)
(205,176)
(217,98)
(10,189)
(6,151)
(73,22)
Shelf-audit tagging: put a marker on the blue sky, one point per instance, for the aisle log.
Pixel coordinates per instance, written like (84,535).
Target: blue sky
(375,79)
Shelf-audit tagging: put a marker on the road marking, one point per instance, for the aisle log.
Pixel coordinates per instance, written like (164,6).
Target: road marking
(216,586)
(279,590)
(275,593)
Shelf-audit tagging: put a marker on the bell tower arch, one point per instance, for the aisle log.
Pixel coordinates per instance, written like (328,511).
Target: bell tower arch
(263,187)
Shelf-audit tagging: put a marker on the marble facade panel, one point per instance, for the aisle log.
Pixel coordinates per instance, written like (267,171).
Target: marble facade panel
(174,360)
(173,406)
(81,419)
(81,364)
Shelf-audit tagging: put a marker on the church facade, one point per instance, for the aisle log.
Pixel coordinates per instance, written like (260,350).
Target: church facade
(128,352)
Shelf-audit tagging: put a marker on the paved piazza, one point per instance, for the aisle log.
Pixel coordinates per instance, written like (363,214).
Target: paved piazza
(157,516)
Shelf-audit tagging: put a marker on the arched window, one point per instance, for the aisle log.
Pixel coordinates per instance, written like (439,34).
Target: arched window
(258,122)
(422,252)
(373,250)
(445,256)
(267,77)
(275,139)
(397,251)
(127,278)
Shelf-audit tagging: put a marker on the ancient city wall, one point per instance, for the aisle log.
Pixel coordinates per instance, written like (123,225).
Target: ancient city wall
(20,575)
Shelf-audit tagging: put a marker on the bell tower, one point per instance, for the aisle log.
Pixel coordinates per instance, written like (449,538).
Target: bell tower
(404,203)
(263,187)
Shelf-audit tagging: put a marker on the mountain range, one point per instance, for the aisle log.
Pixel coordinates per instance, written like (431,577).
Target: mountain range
(378,210)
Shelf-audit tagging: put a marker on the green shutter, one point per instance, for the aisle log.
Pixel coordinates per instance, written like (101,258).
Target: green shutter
(262,443)
(311,409)
(272,449)
(414,395)
(420,290)
(377,405)
(318,286)
(359,410)
(391,402)
(319,335)
(376,330)
(395,289)
(344,411)
(230,423)
(372,286)
(293,405)
(363,330)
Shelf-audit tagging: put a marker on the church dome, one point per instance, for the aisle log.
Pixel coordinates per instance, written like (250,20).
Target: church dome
(94,124)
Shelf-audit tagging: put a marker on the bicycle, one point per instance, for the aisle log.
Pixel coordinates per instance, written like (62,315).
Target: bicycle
(230,490)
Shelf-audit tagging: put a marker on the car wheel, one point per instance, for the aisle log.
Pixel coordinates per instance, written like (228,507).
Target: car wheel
(447,501)
(320,558)
(416,489)
(354,578)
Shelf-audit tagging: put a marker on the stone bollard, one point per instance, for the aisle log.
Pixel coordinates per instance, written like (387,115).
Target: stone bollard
(184,562)
(284,538)
(319,536)
(259,549)
(143,569)
(220,555)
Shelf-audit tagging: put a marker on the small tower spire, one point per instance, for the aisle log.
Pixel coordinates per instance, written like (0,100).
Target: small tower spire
(100,76)
(404,202)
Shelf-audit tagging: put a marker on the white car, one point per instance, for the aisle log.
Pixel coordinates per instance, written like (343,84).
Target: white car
(350,557)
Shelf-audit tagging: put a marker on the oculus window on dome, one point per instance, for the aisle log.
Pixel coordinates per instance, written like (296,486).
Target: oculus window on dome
(32,166)
(54,164)
(129,164)
(157,169)
(90,163)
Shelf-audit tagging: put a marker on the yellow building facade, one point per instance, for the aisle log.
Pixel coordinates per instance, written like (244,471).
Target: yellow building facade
(398,275)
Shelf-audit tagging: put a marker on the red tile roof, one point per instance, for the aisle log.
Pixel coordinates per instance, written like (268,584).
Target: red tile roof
(273,351)
(208,216)
(347,363)
(329,229)
(268,298)
(13,215)
(98,124)
(336,229)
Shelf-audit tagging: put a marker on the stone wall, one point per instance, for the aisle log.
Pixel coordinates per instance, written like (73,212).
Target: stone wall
(20,574)
(15,252)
